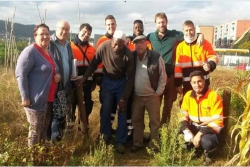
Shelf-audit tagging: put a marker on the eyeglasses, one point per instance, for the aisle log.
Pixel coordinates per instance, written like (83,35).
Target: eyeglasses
(42,35)
(63,29)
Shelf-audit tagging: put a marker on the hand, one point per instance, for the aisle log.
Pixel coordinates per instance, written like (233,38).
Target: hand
(206,66)
(197,139)
(72,77)
(80,81)
(188,135)
(121,105)
(200,40)
(179,89)
(26,103)
(57,78)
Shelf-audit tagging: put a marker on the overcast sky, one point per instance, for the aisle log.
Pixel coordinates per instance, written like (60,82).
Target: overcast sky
(213,12)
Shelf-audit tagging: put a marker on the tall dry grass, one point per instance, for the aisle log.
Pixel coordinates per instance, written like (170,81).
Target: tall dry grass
(12,116)
(72,150)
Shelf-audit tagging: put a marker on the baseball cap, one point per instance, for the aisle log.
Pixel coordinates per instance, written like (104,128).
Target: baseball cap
(139,37)
(119,35)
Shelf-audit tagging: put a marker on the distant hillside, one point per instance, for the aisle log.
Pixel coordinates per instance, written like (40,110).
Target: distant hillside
(21,31)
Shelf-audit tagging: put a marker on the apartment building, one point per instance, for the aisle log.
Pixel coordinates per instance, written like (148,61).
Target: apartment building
(226,33)
(207,31)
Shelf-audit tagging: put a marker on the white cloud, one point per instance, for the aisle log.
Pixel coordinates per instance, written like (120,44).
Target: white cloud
(200,12)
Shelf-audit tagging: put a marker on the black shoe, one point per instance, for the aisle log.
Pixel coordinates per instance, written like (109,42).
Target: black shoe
(156,150)
(188,146)
(120,148)
(130,138)
(146,139)
(113,131)
(197,154)
(135,148)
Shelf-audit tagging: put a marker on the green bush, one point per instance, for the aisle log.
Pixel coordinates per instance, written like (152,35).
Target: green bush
(172,151)
(101,155)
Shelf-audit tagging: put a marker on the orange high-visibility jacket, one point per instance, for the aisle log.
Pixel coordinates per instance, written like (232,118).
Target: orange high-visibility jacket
(131,46)
(101,40)
(191,57)
(208,109)
(82,62)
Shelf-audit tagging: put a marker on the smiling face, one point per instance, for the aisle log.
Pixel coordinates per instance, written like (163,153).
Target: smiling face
(62,30)
(138,29)
(141,46)
(117,44)
(189,31)
(161,24)
(198,84)
(84,34)
(110,26)
(42,37)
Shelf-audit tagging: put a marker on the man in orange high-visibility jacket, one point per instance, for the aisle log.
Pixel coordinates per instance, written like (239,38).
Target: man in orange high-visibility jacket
(84,57)
(191,57)
(110,24)
(202,116)
(138,29)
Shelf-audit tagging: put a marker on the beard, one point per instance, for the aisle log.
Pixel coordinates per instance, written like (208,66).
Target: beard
(190,39)
(162,29)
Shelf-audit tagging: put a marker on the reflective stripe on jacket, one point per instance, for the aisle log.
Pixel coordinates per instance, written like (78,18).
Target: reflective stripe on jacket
(207,110)
(82,62)
(191,57)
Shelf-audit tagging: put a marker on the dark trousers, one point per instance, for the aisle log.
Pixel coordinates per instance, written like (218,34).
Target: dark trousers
(208,141)
(113,111)
(112,89)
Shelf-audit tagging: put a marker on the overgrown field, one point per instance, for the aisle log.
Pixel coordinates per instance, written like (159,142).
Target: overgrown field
(75,150)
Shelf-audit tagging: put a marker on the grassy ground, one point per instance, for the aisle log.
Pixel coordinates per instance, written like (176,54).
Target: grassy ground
(15,127)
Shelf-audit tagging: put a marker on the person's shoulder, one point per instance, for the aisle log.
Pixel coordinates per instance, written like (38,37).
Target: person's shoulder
(151,35)
(104,45)
(207,43)
(213,93)
(188,94)
(102,39)
(29,51)
(91,47)
(72,44)
(128,52)
(154,52)
(29,48)
(175,31)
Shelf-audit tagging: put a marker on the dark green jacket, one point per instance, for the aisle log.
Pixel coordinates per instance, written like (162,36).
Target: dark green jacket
(166,47)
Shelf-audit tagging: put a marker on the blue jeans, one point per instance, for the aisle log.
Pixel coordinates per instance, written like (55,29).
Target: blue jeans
(112,89)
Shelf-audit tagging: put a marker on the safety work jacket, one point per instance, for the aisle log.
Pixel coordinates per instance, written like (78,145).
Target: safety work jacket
(104,38)
(83,61)
(207,111)
(191,57)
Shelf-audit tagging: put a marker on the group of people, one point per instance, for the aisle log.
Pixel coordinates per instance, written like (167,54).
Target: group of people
(134,73)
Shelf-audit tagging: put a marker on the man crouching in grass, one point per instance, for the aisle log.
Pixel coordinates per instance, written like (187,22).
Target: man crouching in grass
(202,119)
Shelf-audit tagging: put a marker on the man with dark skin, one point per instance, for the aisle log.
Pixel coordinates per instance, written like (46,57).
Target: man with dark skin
(117,84)
(138,29)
